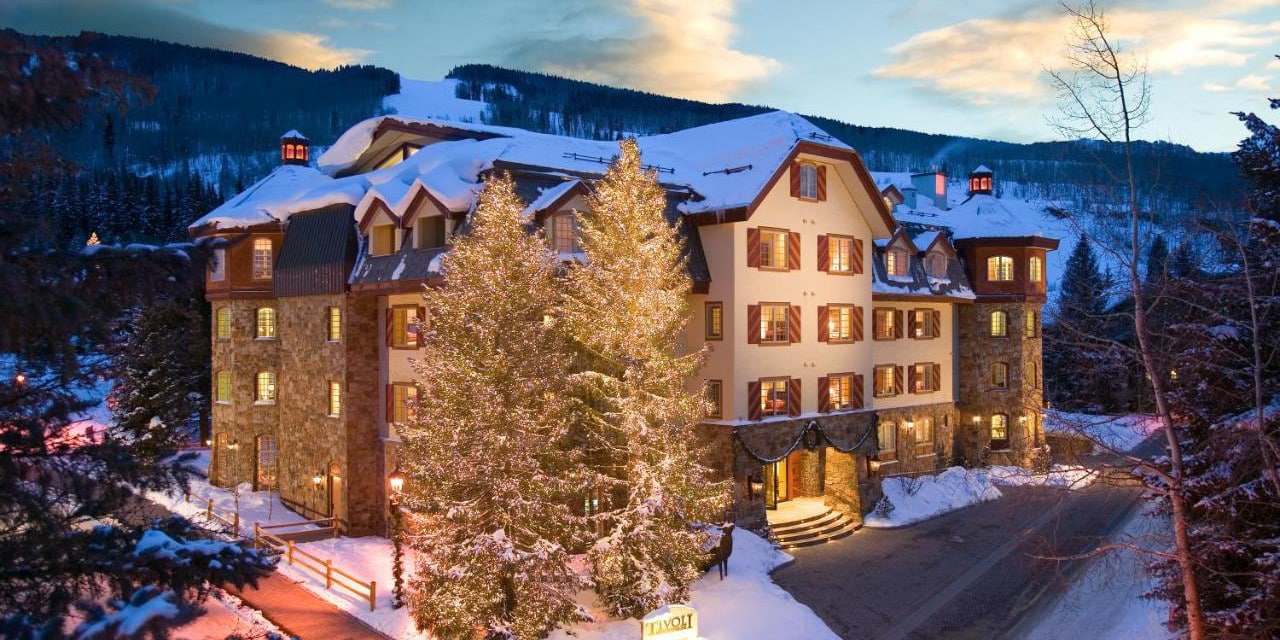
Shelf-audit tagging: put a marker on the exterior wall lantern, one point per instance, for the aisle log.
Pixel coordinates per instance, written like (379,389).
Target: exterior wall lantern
(234,445)
(317,480)
(977,419)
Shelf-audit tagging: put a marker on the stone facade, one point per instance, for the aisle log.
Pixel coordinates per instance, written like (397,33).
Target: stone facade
(339,449)
(1021,401)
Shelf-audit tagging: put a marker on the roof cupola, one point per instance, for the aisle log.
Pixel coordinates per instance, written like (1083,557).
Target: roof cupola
(294,148)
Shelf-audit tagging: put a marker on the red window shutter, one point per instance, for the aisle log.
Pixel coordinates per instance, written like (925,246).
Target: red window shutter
(824,333)
(911,379)
(936,330)
(877,323)
(822,183)
(795,179)
(936,383)
(856,324)
(753,324)
(793,396)
(391,399)
(824,253)
(753,247)
(388,317)
(753,400)
(793,327)
(911,325)
(856,396)
(824,394)
(897,380)
(420,327)
(855,258)
(897,323)
(793,250)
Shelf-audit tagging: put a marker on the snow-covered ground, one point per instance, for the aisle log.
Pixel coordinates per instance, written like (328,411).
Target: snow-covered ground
(1105,602)
(746,604)
(1121,433)
(922,497)
(433,99)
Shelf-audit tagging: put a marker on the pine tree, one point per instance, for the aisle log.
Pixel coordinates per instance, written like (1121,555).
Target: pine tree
(487,459)
(1157,260)
(627,310)
(69,522)
(1081,369)
(1227,392)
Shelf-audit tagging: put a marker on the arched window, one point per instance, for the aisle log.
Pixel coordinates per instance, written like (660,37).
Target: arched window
(222,393)
(266,323)
(999,432)
(999,269)
(265,478)
(1035,269)
(809,181)
(999,324)
(936,264)
(262,258)
(1000,375)
(266,387)
(223,323)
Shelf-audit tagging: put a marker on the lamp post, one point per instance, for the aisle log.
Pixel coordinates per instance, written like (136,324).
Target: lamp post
(395,482)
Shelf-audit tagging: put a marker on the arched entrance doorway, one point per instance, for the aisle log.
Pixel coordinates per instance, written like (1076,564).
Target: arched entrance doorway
(337,502)
(265,477)
(218,461)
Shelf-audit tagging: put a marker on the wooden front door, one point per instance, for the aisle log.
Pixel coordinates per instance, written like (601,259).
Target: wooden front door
(337,494)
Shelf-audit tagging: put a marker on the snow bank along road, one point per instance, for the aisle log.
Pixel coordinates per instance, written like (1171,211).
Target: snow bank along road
(966,574)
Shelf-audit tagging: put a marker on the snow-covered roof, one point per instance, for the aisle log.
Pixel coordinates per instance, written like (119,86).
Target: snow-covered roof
(725,165)
(293,133)
(549,196)
(982,168)
(288,189)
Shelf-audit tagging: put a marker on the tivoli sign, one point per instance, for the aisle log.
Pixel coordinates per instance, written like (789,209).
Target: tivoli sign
(670,622)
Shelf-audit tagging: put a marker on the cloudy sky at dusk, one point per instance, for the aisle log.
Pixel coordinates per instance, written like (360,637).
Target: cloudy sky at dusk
(972,68)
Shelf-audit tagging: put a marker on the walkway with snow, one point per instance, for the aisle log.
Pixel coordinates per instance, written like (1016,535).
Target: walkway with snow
(301,614)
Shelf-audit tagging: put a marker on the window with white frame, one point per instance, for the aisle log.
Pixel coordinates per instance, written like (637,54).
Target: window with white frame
(999,269)
(840,391)
(262,258)
(773,397)
(266,327)
(840,323)
(999,324)
(265,393)
(895,262)
(774,319)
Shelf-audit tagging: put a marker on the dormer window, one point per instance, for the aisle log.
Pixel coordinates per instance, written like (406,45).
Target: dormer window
(564,233)
(382,240)
(402,153)
(431,232)
(999,269)
(262,259)
(936,264)
(895,262)
(294,148)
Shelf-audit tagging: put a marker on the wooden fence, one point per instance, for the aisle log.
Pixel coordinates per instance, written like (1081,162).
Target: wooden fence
(319,566)
(295,557)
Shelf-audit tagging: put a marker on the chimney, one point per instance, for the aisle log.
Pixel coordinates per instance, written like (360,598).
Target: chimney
(294,148)
(932,184)
(981,181)
(909,196)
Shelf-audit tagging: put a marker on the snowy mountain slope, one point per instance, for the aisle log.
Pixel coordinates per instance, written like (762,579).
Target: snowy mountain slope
(433,99)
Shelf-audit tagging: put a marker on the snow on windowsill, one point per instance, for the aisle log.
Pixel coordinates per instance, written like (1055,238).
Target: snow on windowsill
(263,402)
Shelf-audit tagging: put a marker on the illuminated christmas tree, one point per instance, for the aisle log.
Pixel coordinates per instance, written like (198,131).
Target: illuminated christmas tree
(627,309)
(489,467)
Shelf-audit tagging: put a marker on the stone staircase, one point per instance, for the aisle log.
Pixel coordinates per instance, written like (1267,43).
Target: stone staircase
(824,527)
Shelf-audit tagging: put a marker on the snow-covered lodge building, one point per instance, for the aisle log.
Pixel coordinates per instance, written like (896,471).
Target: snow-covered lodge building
(858,325)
